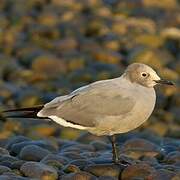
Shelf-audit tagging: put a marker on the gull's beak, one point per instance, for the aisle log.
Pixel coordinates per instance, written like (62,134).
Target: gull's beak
(162,81)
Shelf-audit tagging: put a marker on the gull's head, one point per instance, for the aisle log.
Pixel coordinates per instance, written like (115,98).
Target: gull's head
(143,75)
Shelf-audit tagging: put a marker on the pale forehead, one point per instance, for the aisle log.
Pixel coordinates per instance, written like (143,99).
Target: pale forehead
(138,67)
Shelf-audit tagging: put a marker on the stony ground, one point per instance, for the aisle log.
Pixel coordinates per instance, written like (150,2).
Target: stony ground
(151,157)
(50,47)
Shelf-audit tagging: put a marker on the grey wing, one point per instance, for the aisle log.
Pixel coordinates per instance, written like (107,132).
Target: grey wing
(84,106)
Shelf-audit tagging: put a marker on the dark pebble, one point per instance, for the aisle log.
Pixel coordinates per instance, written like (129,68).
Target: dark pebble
(107,178)
(72,155)
(100,145)
(172,157)
(39,170)
(81,163)
(4,169)
(8,158)
(104,169)
(54,157)
(12,177)
(33,153)
(71,168)
(79,176)
(137,171)
(138,147)
(3,151)
(17,147)
(14,140)
(17,164)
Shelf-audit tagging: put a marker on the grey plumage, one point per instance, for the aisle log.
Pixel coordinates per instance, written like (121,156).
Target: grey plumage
(84,105)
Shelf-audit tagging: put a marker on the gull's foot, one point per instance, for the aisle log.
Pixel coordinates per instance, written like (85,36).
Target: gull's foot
(124,161)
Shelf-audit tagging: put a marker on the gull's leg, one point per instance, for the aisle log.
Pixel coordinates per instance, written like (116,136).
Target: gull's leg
(115,157)
(123,162)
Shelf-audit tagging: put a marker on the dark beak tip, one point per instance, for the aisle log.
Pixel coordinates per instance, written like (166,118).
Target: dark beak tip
(166,82)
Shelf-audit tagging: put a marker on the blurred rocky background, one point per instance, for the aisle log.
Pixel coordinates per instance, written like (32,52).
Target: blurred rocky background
(51,47)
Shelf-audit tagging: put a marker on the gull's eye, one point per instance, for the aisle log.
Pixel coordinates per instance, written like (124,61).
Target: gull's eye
(144,74)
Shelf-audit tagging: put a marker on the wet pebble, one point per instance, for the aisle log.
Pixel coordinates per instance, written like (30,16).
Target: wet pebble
(72,155)
(81,163)
(172,157)
(141,171)
(33,153)
(79,175)
(138,147)
(4,169)
(100,145)
(162,174)
(4,151)
(54,158)
(104,169)
(16,139)
(39,170)
(107,178)
(71,168)
(17,147)
(17,164)
(12,177)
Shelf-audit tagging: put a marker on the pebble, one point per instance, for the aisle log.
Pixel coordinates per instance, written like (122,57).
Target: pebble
(81,163)
(172,157)
(100,145)
(79,176)
(33,153)
(104,169)
(39,170)
(4,169)
(71,168)
(12,177)
(17,147)
(107,178)
(138,147)
(162,174)
(4,151)
(72,155)
(141,171)
(14,140)
(54,158)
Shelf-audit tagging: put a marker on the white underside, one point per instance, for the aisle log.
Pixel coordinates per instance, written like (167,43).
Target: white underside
(64,123)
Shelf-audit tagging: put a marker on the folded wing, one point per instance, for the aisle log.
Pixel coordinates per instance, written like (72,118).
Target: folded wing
(84,106)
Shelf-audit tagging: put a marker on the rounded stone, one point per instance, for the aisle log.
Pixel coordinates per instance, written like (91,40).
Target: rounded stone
(39,170)
(81,163)
(100,145)
(4,169)
(172,157)
(14,140)
(104,169)
(8,158)
(72,155)
(71,168)
(137,171)
(17,164)
(4,151)
(79,176)
(17,147)
(12,177)
(33,153)
(107,178)
(138,147)
(54,157)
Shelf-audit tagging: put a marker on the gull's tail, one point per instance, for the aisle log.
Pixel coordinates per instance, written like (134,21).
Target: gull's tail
(28,112)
